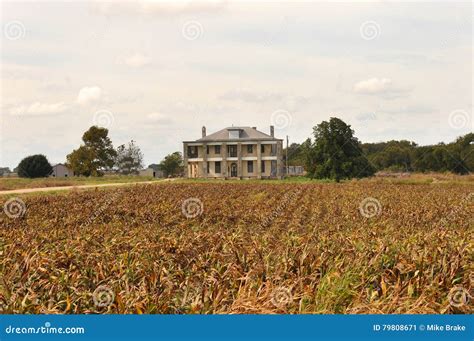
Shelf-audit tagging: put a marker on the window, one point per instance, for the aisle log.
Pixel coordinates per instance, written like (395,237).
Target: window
(274,149)
(249,148)
(249,166)
(273,168)
(232,150)
(217,167)
(263,166)
(192,151)
(208,166)
(263,148)
(217,149)
(234,134)
(207,149)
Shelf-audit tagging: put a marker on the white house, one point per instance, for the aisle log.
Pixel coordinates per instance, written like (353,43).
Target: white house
(61,171)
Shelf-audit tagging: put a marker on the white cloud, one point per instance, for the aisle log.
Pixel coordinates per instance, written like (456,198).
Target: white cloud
(247,95)
(156,7)
(136,61)
(383,87)
(373,86)
(89,95)
(158,118)
(38,108)
(366,116)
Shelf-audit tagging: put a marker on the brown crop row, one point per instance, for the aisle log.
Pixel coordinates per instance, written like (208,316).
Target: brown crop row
(241,248)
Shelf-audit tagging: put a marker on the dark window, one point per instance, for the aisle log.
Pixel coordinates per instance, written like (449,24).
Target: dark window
(273,169)
(263,148)
(263,166)
(217,149)
(207,149)
(217,166)
(249,166)
(274,149)
(65,175)
(208,167)
(249,148)
(232,150)
(192,151)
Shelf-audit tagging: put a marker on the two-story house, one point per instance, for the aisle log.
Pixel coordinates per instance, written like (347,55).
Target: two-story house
(234,152)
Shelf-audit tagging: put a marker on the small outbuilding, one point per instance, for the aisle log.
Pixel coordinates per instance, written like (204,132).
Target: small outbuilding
(151,172)
(61,171)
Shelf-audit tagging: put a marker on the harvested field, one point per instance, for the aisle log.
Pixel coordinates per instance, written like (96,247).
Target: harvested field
(180,248)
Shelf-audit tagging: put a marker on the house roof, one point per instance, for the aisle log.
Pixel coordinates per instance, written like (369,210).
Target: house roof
(246,133)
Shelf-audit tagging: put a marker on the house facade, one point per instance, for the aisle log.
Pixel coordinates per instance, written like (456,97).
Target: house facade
(234,153)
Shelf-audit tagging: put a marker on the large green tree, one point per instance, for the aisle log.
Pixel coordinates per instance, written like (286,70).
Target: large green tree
(336,153)
(129,158)
(172,164)
(34,166)
(95,155)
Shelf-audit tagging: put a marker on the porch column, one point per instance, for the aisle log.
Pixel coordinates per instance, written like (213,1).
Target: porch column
(185,159)
(259,160)
(205,174)
(239,160)
(279,155)
(224,160)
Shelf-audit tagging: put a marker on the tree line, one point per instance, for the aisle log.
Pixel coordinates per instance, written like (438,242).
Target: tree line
(97,155)
(334,152)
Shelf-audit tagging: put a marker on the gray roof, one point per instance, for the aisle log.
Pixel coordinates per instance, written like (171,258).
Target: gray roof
(246,133)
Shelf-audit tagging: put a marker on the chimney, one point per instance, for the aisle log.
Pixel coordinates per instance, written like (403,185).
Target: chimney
(272,131)
(203,131)
(255,128)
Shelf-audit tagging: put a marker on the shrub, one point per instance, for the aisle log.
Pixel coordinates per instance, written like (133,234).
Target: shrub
(34,166)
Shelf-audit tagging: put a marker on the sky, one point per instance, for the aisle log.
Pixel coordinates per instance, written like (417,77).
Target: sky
(156,72)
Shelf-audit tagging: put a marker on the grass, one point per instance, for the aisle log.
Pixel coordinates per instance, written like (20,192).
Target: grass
(21,183)
(417,178)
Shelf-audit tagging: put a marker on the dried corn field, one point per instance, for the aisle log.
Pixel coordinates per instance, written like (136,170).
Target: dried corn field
(357,247)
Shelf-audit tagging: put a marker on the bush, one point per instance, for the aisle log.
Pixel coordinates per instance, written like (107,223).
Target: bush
(34,166)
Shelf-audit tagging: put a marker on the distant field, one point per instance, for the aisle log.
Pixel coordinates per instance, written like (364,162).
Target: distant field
(369,246)
(19,183)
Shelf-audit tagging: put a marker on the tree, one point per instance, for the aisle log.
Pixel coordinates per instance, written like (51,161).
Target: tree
(336,153)
(296,153)
(34,166)
(95,155)
(129,158)
(81,161)
(172,164)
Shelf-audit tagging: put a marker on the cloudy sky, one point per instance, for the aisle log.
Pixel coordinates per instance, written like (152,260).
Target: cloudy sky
(155,72)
